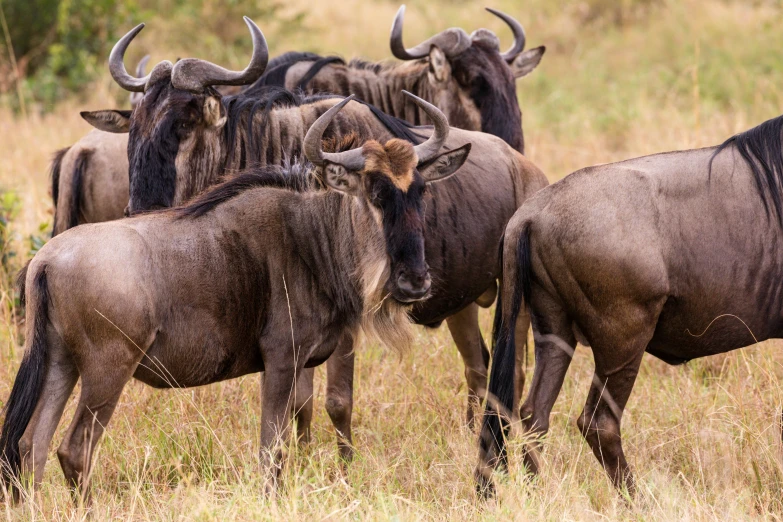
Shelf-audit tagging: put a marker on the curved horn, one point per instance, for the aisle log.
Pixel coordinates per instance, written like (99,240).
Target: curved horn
(519,34)
(142,65)
(135,97)
(192,74)
(430,148)
(451,41)
(117,67)
(350,159)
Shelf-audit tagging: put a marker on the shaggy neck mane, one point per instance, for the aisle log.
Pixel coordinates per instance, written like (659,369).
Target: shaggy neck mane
(254,136)
(760,147)
(379,84)
(336,236)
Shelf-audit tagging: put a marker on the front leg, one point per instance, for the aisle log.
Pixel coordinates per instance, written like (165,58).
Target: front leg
(339,394)
(277,389)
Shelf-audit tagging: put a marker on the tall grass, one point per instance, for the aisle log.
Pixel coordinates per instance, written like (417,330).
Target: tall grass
(620,79)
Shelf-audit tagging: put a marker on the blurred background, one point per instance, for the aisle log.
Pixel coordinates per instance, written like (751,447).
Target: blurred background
(620,78)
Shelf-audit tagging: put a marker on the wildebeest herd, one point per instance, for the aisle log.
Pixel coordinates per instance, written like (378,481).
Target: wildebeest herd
(236,222)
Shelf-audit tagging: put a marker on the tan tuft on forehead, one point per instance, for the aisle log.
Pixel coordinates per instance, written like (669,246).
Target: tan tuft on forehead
(396,160)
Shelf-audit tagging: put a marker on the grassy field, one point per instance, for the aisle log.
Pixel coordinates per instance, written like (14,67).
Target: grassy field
(619,79)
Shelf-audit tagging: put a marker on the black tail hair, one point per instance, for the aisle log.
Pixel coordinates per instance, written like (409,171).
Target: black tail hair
(74,205)
(316,68)
(501,381)
(27,386)
(277,69)
(21,283)
(54,172)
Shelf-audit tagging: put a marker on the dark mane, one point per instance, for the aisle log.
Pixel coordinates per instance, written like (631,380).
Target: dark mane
(761,149)
(243,107)
(365,65)
(297,177)
(496,95)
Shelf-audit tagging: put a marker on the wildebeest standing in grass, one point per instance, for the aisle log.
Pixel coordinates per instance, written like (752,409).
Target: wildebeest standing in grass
(90,178)
(679,255)
(184,136)
(263,273)
(465,76)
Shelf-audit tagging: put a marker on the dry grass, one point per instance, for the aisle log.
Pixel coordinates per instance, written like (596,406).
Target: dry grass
(704,439)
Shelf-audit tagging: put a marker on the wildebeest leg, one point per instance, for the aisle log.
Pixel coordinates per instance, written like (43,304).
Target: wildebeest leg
(520,335)
(465,331)
(303,404)
(617,360)
(600,420)
(339,394)
(102,384)
(60,379)
(278,397)
(554,348)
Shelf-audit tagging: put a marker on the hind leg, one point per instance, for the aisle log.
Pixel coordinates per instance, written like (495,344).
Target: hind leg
(465,331)
(554,348)
(618,347)
(520,335)
(102,384)
(60,379)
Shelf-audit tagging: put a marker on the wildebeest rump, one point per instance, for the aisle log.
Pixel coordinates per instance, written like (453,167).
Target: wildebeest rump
(182,141)
(263,273)
(679,255)
(90,178)
(465,76)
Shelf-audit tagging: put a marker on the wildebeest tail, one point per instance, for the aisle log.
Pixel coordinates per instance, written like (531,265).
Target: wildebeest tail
(27,385)
(54,172)
(73,205)
(21,281)
(513,293)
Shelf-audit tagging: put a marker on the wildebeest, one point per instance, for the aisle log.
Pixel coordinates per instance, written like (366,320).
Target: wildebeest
(465,76)
(90,178)
(263,273)
(677,254)
(184,136)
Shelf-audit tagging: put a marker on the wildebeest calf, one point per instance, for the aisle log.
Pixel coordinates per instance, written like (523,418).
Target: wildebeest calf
(259,274)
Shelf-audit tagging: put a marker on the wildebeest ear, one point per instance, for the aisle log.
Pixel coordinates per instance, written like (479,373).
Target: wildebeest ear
(341,179)
(117,122)
(527,61)
(440,68)
(214,112)
(444,165)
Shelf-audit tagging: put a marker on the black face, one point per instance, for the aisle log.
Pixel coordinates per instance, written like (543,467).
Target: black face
(403,229)
(159,123)
(489,80)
